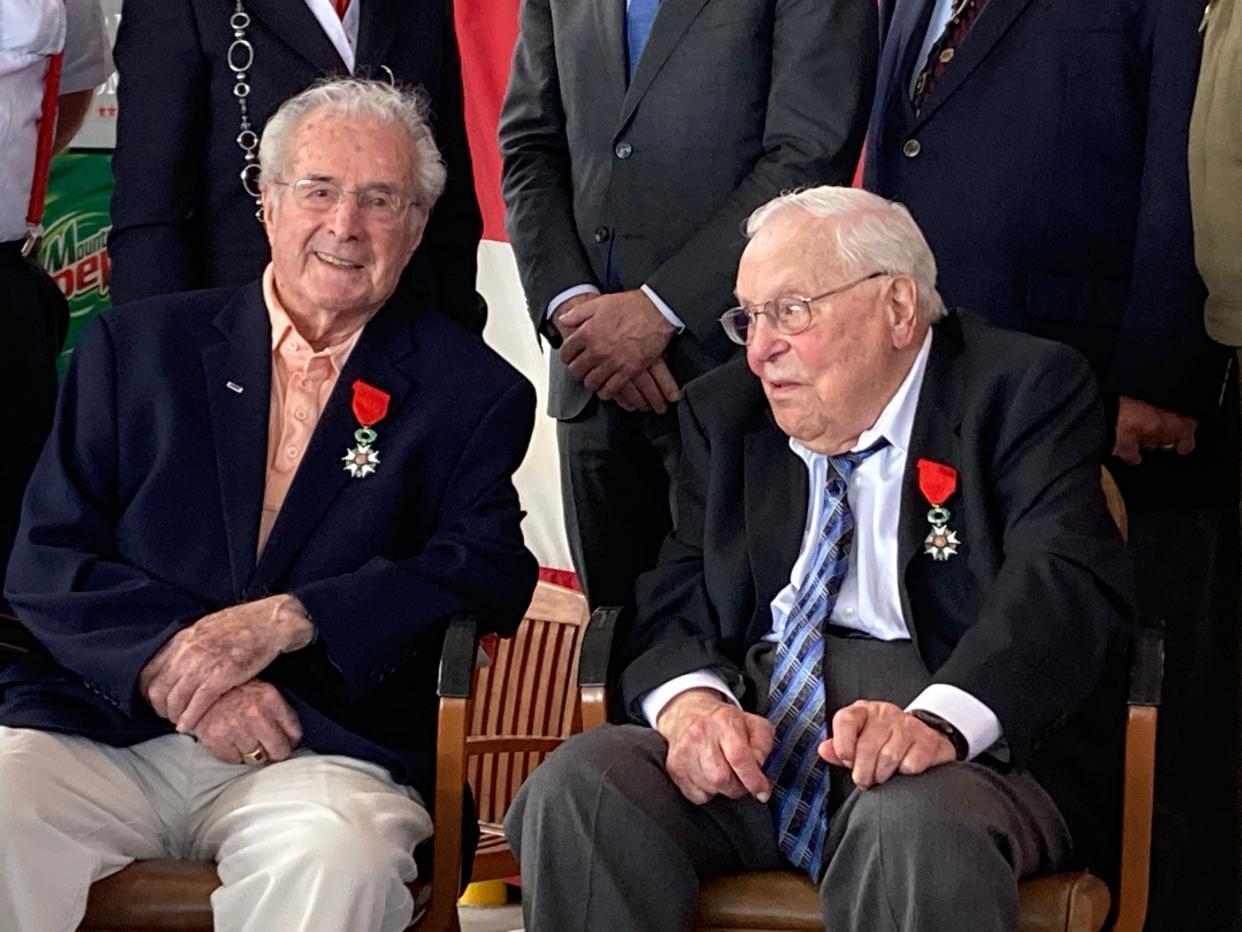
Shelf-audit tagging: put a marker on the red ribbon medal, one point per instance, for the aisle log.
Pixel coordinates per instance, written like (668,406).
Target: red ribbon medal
(370,406)
(937,482)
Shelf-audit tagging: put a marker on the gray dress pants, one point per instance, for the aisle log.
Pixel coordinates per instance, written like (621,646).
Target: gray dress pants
(607,843)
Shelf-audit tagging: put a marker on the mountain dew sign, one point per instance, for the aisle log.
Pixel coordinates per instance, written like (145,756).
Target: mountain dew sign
(74,248)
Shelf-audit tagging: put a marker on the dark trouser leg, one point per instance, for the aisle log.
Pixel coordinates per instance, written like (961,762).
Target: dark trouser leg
(940,850)
(615,471)
(607,842)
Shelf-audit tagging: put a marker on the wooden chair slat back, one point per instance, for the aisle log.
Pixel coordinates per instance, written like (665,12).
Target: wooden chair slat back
(530,690)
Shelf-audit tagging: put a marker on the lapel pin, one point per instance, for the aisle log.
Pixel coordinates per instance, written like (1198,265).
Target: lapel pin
(234,387)
(938,482)
(370,404)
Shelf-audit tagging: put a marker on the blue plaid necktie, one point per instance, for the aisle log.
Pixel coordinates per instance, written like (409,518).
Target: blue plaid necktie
(639,16)
(799,776)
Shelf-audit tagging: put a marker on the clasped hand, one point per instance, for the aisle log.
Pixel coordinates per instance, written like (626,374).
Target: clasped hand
(218,653)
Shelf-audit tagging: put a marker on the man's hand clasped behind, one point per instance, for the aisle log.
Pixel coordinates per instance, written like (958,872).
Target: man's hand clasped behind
(715,748)
(205,663)
(878,739)
(1142,427)
(614,344)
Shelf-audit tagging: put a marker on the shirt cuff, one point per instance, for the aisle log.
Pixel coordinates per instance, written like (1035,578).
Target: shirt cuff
(977,723)
(566,295)
(663,308)
(654,702)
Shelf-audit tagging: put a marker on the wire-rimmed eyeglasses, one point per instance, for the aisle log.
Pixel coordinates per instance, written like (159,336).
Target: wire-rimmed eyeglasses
(378,203)
(789,314)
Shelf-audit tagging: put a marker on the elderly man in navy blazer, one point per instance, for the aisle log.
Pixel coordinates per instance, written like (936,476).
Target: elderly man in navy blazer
(240,550)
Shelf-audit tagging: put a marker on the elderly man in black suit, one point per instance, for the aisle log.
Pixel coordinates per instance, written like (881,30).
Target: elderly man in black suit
(198,82)
(881,643)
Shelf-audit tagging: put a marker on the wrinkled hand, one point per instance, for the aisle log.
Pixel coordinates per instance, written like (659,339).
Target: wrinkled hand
(1142,426)
(714,748)
(222,650)
(878,739)
(563,327)
(246,717)
(613,339)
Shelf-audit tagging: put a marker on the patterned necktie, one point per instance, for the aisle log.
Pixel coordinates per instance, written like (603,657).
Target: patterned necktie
(799,776)
(639,16)
(965,13)
(341,6)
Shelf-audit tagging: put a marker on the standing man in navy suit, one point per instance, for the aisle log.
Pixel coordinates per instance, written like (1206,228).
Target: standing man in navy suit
(198,81)
(1041,146)
(257,513)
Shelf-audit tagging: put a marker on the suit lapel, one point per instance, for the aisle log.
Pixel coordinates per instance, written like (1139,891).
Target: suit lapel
(670,24)
(296,26)
(239,421)
(375,34)
(934,436)
(610,33)
(321,475)
(775,502)
(991,25)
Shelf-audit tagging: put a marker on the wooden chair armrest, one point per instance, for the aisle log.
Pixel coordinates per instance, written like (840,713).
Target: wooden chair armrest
(593,659)
(457,658)
(1146,674)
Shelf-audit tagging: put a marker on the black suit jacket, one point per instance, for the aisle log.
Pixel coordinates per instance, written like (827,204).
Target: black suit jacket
(1047,170)
(143,515)
(180,218)
(1025,618)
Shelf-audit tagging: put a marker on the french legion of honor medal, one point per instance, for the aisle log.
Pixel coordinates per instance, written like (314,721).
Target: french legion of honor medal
(370,405)
(938,482)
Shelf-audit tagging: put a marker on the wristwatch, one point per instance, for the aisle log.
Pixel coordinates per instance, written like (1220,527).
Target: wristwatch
(961,747)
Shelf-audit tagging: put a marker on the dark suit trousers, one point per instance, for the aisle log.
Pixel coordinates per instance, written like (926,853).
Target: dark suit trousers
(607,841)
(35,318)
(615,479)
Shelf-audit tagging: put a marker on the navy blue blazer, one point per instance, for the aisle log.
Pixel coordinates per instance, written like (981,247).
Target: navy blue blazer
(180,218)
(1048,171)
(143,514)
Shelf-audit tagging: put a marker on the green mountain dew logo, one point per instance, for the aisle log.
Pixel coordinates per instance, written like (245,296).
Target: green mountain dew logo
(75,253)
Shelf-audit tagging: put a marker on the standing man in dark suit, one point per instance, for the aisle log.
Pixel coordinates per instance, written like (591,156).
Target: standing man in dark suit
(637,135)
(198,81)
(257,513)
(1041,146)
(893,527)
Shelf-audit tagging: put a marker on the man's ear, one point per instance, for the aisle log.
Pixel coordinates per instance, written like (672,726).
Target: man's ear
(266,202)
(902,305)
(418,227)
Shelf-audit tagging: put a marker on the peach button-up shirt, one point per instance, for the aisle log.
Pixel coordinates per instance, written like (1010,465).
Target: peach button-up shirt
(302,380)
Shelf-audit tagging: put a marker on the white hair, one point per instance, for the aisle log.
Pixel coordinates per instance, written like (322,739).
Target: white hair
(360,99)
(872,234)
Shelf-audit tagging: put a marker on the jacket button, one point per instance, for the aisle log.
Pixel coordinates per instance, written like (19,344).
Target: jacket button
(912,148)
(623,150)
(601,234)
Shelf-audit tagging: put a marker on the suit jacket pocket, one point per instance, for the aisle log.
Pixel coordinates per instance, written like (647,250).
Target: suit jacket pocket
(1076,298)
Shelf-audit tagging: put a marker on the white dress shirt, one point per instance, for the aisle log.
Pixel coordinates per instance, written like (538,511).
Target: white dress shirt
(30,31)
(869,599)
(342,32)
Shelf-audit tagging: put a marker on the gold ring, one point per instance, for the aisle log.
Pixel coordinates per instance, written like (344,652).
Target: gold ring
(256,757)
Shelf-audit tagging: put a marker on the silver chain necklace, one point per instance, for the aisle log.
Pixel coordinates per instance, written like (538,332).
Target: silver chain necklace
(240,60)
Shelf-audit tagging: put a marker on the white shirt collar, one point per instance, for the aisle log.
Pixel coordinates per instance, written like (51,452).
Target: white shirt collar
(896,421)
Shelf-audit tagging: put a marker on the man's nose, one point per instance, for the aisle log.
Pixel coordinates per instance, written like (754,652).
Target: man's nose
(762,340)
(346,216)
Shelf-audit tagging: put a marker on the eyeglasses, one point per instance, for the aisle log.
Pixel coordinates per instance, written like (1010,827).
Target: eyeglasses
(376,203)
(790,314)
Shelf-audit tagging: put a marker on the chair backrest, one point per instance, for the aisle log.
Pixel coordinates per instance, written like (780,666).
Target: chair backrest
(526,701)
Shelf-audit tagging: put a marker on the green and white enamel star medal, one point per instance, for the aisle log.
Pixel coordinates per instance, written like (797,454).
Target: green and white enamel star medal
(937,482)
(370,404)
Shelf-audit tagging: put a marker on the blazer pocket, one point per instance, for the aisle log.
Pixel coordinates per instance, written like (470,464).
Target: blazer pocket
(1052,296)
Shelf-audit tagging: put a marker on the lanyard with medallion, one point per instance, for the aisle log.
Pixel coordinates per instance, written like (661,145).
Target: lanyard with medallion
(938,482)
(370,405)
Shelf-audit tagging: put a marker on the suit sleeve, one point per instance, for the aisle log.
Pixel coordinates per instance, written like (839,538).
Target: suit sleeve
(823,77)
(536,172)
(158,164)
(1163,352)
(451,240)
(676,629)
(1065,577)
(96,615)
(474,562)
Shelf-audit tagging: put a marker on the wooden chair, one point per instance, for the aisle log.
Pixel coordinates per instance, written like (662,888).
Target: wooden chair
(174,896)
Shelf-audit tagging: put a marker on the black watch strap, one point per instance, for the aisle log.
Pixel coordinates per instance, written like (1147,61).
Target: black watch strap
(961,747)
